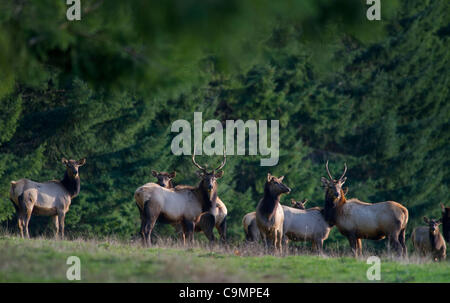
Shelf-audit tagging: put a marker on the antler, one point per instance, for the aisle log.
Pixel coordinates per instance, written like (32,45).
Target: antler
(195,163)
(224,160)
(345,170)
(328,171)
(304,201)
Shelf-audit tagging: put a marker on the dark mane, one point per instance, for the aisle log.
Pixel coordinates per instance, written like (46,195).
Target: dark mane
(269,202)
(329,212)
(71,184)
(207,204)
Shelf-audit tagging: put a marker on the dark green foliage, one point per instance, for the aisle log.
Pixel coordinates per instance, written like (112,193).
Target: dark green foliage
(108,88)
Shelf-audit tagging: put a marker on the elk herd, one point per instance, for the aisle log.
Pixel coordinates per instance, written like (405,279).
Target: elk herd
(198,208)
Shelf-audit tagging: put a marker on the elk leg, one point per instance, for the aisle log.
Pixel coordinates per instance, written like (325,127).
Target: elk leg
(151,213)
(222,229)
(141,231)
(279,241)
(319,246)
(352,240)
(20,223)
(21,212)
(188,229)
(401,239)
(55,220)
(27,219)
(359,246)
(61,217)
(395,244)
(206,223)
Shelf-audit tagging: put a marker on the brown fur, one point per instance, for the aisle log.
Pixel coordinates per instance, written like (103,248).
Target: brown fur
(269,213)
(359,220)
(52,198)
(428,240)
(188,205)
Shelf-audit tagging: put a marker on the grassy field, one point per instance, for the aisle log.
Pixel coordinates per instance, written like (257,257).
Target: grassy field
(44,260)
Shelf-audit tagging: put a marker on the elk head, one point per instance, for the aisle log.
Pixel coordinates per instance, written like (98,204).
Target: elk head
(333,187)
(298,204)
(209,178)
(433,224)
(164,179)
(446,222)
(275,185)
(72,166)
(333,194)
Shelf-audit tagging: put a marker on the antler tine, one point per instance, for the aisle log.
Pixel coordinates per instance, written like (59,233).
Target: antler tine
(195,163)
(224,161)
(328,171)
(345,170)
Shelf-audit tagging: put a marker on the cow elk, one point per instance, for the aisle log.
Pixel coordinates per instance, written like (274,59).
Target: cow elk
(50,198)
(446,222)
(358,220)
(302,224)
(269,212)
(249,222)
(428,240)
(164,179)
(186,205)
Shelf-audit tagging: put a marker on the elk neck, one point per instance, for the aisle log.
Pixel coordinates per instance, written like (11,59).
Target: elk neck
(269,202)
(332,207)
(71,184)
(434,236)
(208,200)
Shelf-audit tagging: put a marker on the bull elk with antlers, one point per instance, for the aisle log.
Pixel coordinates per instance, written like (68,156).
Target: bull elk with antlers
(358,220)
(186,205)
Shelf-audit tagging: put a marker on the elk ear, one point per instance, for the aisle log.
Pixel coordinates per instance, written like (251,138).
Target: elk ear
(81,162)
(219,174)
(269,177)
(343,180)
(439,221)
(172,175)
(425,219)
(154,173)
(304,201)
(199,173)
(325,181)
(64,161)
(281,178)
(443,208)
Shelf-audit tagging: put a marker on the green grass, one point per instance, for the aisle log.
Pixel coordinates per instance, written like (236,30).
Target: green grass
(44,260)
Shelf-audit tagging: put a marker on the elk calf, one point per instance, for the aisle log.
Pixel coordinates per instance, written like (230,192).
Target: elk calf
(358,220)
(50,198)
(428,240)
(269,213)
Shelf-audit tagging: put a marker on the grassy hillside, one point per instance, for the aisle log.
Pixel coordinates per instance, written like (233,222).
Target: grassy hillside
(44,260)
